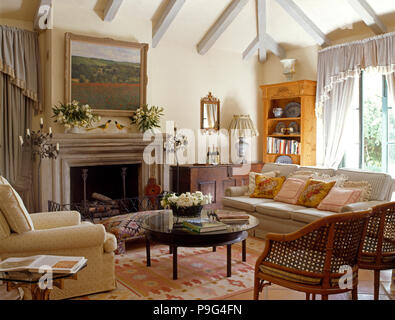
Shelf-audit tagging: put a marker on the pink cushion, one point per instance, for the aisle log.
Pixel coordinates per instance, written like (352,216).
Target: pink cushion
(339,197)
(291,190)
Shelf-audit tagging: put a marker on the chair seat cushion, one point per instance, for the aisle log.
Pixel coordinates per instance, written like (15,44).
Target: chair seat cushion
(277,209)
(244,203)
(289,276)
(110,243)
(372,260)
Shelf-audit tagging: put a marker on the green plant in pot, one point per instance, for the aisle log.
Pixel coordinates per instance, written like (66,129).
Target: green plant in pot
(147,118)
(186,204)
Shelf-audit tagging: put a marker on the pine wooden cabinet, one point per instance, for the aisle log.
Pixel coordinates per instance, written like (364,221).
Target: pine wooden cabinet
(211,179)
(279,96)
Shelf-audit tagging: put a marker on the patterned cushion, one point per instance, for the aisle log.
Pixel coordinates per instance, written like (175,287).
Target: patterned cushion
(380,182)
(337,198)
(14,210)
(267,187)
(290,191)
(362,186)
(252,179)
(314,192)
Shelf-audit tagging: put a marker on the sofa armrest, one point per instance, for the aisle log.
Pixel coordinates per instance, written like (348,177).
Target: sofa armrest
(73,237)
(50,220)
(236,191)
(360,206)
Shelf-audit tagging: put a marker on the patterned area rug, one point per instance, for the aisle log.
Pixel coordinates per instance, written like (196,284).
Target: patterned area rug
(201,274)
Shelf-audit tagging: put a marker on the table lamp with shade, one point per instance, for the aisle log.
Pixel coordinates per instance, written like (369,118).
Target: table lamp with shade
(242,127)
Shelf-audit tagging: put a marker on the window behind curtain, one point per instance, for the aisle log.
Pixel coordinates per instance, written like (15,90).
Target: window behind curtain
(371,127)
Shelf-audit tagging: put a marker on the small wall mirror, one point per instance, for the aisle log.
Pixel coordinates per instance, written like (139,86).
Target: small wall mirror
(209,113)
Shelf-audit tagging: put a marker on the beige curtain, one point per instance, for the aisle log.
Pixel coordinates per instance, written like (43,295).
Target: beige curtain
(338,68)
(20,96)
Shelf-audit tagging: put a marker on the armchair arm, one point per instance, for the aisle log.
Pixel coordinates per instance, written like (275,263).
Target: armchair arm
(72,237)
(50,220)
(236,191)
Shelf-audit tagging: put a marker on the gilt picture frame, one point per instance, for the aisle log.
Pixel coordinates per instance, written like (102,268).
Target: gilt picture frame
(109,75)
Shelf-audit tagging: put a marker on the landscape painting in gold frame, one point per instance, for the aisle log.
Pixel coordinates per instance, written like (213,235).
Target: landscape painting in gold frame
(108,75)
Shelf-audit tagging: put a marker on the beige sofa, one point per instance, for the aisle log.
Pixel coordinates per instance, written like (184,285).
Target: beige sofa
(62,233)
(279,217)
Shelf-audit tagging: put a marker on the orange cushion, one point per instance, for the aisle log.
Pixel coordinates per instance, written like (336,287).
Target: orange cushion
(291,191)
(314,192)
(339,197)
(266,187)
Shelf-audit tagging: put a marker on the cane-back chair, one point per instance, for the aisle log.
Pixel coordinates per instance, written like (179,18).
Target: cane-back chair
(314,259)
(378,249)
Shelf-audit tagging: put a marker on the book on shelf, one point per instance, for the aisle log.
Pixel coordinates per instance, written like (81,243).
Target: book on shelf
(282,146)
(232,217)
(204,225)
(58,264)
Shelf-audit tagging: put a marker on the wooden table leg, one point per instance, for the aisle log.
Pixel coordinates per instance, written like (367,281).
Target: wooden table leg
(244,250)
(148,252)
(214,249)
(229,260)
(174,263)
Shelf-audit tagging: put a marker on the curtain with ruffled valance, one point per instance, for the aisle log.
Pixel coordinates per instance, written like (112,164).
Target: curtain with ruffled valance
(20,60)
(339,67)
(20,96)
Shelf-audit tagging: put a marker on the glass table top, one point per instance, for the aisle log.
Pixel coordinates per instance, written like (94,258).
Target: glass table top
(165,222)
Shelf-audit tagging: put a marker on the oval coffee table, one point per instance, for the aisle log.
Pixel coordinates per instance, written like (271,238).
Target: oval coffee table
(163,228)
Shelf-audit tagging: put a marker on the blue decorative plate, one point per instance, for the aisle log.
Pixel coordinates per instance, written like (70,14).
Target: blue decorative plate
(284,160)
(292,110)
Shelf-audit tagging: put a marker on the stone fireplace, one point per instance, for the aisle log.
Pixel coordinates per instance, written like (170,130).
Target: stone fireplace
(106,152)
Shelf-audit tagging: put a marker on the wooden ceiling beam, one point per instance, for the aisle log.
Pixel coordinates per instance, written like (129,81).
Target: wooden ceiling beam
(368,16)
(269,43)
(223,22)
(111,9)
(165,20)
(304,21)
(262,20)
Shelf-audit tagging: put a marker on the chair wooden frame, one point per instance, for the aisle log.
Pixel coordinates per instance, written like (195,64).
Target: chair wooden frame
(329,243)
(380,234)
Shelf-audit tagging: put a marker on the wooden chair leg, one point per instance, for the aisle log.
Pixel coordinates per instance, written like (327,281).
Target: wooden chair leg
(354,293)
(376,284)
(307,296)
(324,297)
(256,289)
(313,296)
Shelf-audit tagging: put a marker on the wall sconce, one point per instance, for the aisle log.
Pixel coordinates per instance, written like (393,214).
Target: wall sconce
(289,68)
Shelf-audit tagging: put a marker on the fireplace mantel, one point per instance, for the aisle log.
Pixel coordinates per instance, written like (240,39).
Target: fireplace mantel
(79,150)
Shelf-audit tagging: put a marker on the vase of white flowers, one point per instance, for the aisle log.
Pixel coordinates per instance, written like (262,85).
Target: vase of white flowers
(187,204)
(147,118)
(74,116)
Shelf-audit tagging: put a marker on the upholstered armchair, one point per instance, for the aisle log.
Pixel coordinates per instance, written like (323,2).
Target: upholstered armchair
(378,249)
(57,233)
(312,259)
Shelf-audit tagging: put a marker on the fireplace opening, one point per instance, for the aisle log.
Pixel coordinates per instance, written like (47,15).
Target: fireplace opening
(111,181)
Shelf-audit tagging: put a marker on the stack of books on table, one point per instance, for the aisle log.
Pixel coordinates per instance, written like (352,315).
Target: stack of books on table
(202,225)
(232,217)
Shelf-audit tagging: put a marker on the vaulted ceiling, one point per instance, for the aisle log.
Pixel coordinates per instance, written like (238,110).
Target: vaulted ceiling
(192,19)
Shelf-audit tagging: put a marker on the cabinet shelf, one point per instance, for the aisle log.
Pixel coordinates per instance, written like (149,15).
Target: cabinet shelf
(279,96)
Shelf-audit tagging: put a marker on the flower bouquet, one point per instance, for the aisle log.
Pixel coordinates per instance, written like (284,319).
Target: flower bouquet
(147,118)
(187,204)
(73,115)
